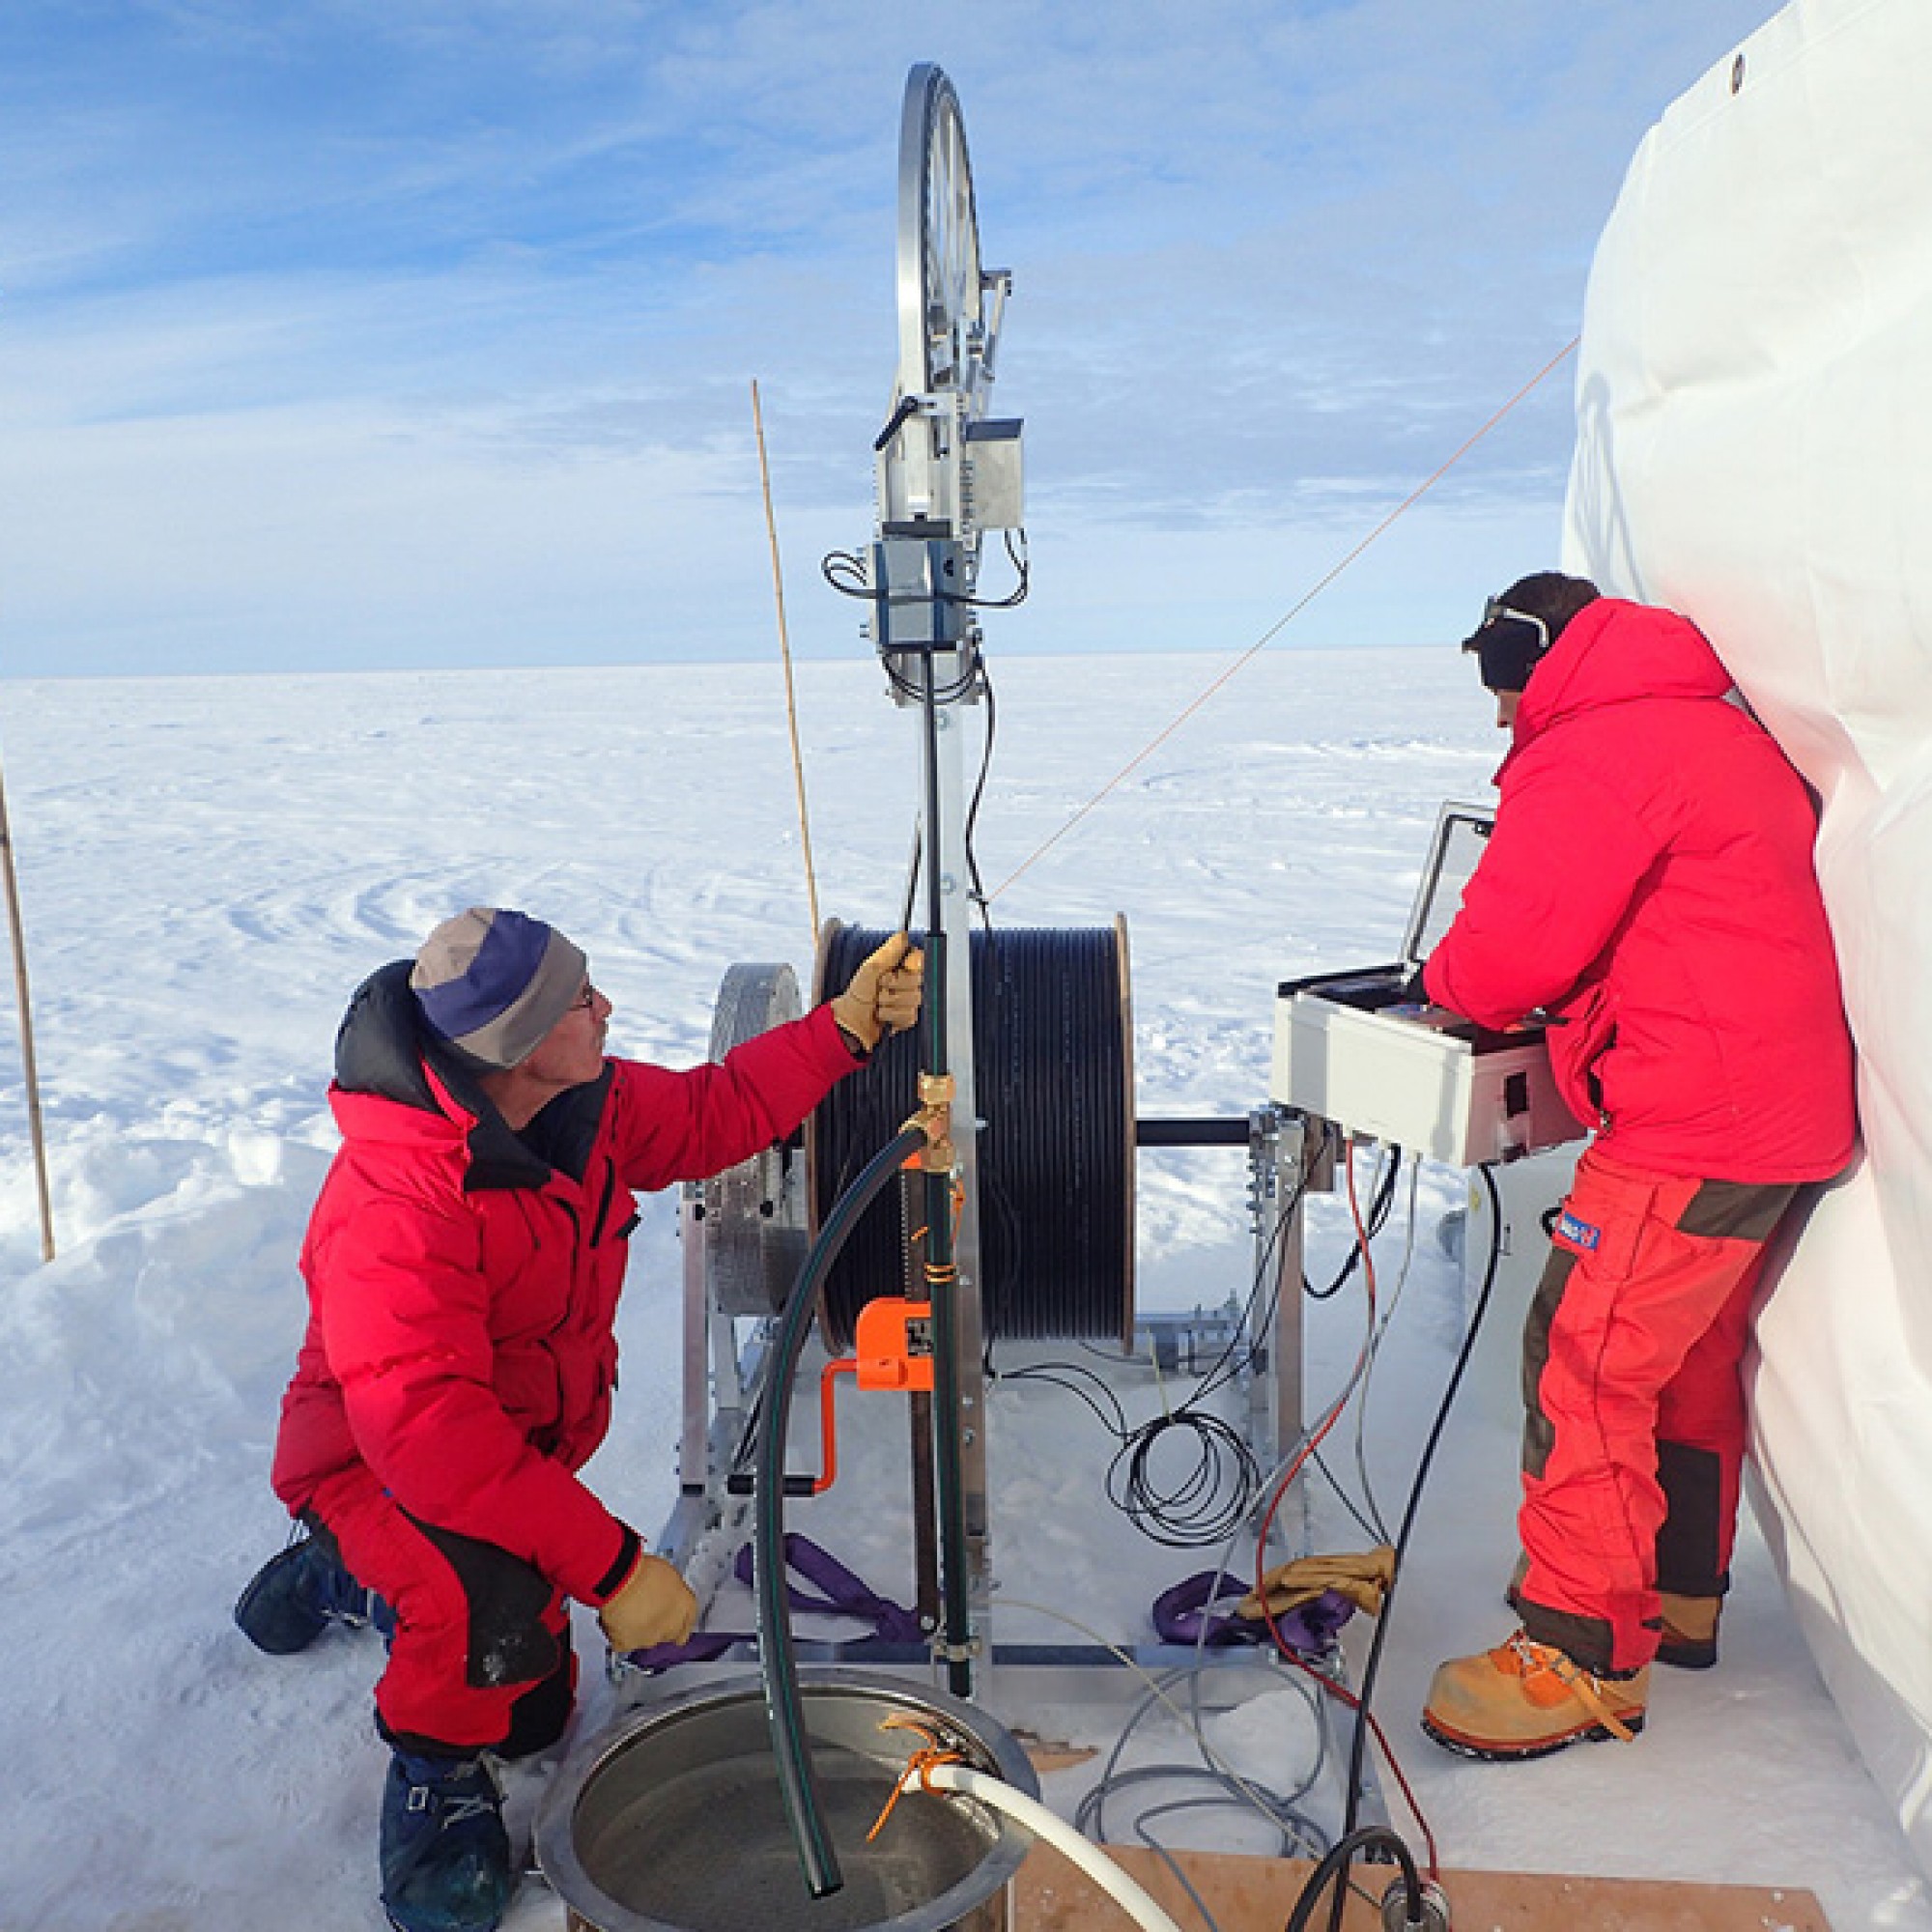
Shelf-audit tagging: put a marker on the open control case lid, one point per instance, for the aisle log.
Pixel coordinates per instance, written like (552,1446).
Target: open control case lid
(1461,838)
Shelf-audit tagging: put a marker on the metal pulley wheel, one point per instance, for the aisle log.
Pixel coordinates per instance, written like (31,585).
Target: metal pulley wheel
(755,1213)
(950,311)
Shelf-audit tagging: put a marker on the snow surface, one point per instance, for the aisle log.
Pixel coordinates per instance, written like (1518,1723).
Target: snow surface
(208,866)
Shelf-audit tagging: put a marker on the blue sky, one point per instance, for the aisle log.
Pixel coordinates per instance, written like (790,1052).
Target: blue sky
(420,332)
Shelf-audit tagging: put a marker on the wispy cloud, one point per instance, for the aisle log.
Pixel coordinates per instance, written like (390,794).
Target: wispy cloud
(420,331)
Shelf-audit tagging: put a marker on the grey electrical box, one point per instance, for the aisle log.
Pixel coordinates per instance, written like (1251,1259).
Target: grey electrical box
(918,597)
(1349,1048)
(995,485)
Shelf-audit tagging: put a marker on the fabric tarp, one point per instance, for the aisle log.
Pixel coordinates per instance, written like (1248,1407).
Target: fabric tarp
(1754,449)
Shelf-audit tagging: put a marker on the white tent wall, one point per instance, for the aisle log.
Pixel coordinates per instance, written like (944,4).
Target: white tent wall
(1754,449)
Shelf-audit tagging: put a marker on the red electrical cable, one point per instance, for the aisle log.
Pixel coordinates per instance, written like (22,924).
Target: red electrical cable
(1293,1470)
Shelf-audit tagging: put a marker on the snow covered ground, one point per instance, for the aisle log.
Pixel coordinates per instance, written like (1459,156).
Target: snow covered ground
(208,868)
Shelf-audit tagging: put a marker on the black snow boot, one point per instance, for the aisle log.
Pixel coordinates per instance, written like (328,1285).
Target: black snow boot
(445,1855)
(295,1596)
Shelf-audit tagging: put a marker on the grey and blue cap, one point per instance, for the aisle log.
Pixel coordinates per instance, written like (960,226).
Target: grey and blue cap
(493,982)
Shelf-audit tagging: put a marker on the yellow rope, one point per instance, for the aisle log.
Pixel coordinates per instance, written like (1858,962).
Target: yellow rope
(1268,636)
(784,652)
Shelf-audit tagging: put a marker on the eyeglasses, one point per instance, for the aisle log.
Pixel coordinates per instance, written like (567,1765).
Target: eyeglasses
(587,998)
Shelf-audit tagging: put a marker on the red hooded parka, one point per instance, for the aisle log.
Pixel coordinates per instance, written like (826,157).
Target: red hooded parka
(1649,884)
(464,1280)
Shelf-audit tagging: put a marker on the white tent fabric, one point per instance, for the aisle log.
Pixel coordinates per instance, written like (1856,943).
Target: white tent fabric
(1754,449)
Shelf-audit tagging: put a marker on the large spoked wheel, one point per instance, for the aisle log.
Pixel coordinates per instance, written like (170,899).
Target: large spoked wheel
(942,320)
(948,330)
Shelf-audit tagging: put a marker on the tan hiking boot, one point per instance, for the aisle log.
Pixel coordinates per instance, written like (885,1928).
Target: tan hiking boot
(1526,1699)
(1690,1639)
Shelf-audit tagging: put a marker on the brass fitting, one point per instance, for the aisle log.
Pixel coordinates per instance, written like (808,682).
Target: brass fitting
(934,1119)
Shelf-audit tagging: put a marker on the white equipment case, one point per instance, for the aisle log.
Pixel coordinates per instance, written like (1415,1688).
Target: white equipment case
(1349,1047)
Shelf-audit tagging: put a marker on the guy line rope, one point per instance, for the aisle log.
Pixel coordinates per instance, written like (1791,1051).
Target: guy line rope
(1240,664)
(1274,630)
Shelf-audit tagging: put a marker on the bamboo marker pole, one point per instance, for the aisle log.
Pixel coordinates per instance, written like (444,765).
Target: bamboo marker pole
(27,1066)
(784,652)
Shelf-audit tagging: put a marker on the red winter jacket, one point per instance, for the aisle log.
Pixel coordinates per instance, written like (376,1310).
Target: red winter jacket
(464,1280)
(1649,883)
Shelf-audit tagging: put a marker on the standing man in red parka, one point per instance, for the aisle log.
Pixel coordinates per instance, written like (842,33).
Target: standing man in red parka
(1648,886)
(464,1264)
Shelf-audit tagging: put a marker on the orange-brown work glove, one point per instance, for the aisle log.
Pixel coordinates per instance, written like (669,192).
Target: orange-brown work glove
(1362,1578)
(883,996)
(653,1605)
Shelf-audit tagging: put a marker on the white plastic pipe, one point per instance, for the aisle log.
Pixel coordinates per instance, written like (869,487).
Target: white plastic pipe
(1060,1836)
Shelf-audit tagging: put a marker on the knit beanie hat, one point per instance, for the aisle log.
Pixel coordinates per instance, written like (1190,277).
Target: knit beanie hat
(493,983)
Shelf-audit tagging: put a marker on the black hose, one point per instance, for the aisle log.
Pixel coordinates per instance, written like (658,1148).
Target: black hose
(1334,1870)
(779,1666)
(1358,1755)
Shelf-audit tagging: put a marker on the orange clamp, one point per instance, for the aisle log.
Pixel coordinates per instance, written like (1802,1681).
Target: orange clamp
(893,1350)
(893,1342)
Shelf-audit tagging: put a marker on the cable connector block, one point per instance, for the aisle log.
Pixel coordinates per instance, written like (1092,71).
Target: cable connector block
(918,592)
(1434,1901)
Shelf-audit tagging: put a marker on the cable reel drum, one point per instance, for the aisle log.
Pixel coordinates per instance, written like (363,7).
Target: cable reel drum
(755,1214)
(1053,1076)
(1055,1051)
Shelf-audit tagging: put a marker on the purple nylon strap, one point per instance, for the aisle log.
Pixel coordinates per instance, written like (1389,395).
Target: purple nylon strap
(844,1595)
(1186,1613)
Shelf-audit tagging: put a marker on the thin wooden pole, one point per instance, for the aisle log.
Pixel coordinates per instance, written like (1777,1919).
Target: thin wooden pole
(28,1064)
(784,652)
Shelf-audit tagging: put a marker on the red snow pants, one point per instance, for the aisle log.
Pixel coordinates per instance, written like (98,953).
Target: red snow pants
(1634,1434)
(481,1657)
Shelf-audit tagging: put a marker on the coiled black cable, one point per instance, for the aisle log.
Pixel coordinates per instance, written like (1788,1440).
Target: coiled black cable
(1207,1504)
(1200,1502)
(1053,1088)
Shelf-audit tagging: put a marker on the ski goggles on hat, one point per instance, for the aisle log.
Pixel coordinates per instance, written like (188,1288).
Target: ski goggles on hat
(1508,644)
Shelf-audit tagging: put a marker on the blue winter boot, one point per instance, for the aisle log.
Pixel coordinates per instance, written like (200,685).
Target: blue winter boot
(295,1596)
(445,1855)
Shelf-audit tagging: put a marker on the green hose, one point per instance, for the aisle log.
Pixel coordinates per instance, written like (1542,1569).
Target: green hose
(780,1668)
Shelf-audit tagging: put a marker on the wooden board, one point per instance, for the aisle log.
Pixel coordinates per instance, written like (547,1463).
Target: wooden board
(1258,1894)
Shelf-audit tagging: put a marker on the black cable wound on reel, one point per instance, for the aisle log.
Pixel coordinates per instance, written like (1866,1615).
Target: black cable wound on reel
(1053,1074)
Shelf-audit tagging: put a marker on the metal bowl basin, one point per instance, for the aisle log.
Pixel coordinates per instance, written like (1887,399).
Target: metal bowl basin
(672,1821)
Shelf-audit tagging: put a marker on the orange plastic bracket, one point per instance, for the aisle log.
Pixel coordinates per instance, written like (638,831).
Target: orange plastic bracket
(894,1344)
(893,1340)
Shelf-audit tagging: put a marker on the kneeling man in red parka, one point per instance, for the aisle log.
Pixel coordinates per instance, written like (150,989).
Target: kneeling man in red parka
(464,1264)
(1649,887)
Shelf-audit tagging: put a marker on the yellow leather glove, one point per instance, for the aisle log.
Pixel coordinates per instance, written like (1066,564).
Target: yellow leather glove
(1362,1578)
(653,1605)
(883,993)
